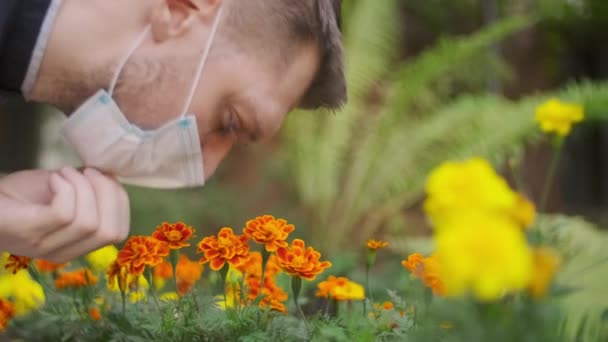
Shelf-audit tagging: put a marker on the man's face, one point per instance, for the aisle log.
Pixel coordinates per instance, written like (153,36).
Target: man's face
(242,97)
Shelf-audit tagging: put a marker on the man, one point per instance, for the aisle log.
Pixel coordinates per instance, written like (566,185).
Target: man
(157,93)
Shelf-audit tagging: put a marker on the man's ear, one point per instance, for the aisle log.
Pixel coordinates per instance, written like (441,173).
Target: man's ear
(173,18)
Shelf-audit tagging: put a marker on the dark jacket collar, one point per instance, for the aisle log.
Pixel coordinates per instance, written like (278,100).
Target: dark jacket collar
(20,24)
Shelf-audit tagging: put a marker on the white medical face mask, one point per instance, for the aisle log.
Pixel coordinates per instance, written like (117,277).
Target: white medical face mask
(166,158)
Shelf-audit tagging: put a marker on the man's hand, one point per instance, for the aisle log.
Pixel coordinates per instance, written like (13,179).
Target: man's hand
(59,216)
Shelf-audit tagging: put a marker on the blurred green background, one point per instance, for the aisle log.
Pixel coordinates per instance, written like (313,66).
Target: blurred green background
(429,80)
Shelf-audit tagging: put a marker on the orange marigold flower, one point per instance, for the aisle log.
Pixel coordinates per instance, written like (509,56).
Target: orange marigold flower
(427,270)
(174,234)
(297,260)
(142,251)
(225,248)
(388,306)
(16,263)
(48,266)
(188,273)
(75,279)
(268,231)
(95,314)
(374,245)
(7,312)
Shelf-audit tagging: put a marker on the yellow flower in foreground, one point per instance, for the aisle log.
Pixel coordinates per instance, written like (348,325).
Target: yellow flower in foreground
(169,297)
(486,256)
(101,259)
(555,116)
(427,270)
(374,245)
(471,186)
(26,293)
(341,289)
(546,263)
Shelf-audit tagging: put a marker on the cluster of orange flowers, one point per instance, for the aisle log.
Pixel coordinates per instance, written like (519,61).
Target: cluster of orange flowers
(188,273)
(75,279)
(425,269)
(7,312)
(273,296)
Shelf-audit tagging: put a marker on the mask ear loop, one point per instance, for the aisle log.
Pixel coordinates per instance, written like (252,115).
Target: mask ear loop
(201,64)
(123,61)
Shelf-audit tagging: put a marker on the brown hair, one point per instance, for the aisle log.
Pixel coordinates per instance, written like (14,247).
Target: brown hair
(279,25)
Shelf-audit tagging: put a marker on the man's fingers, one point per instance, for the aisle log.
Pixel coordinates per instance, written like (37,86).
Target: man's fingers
(113,225)
(86,218)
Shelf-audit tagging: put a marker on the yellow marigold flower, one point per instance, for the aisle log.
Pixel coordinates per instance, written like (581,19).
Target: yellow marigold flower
(7,312)
(297,260)
(101,259)
(225,248)
(137,296)
(16,263)
(27,294)
(118,277)
(268,231)
(175,235)
(374,245)
(546,263)
(471,186)
(95,314)
(555,116)
(427,270)
(483,255)
(75,279)
(340,289)
(142,251)
(48,266)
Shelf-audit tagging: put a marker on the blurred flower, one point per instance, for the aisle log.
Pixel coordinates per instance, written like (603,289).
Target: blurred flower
(488,256)
(161,273)
(118,277)
(374,245)
(75,279)
(27,294)
(7,312)
(252,266)
(555,116)
(101,259)
(142,251)
(48,266)
(455,189)
(268,231)
(225,248)
(297,260)
(188,273)
(524,213)
(175,235)
(546,263)
(340,289)
(272,295)
(137,296)
(16,263)
(427,270)
(95,314)
(169,297)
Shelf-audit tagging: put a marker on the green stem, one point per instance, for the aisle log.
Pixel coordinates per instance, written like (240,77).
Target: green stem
(124,303)
(265,257)
(296,287)
(557,147)
(223,273)
(174,257)
(151,288)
